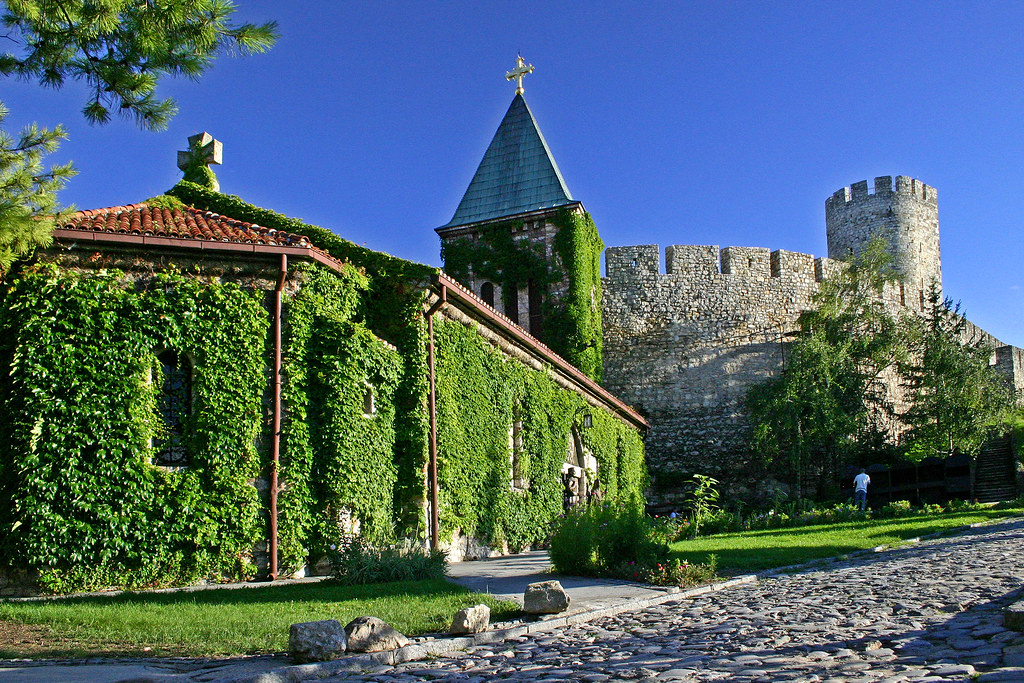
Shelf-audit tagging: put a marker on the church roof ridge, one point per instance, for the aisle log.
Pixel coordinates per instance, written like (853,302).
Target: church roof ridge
(517,174)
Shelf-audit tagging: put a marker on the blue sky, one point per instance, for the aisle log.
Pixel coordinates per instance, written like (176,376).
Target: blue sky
(724,123)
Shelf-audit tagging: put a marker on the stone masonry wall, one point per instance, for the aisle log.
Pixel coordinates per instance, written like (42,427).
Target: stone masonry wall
(683,346)
(906,217)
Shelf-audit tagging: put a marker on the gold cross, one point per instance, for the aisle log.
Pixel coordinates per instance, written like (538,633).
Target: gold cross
(517,73)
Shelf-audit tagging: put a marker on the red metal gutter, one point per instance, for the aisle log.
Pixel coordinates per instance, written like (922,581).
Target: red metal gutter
(435,524)
(462,295)
(191,244)
(275,451)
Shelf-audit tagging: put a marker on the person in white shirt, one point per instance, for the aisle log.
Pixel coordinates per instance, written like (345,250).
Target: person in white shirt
(860,489)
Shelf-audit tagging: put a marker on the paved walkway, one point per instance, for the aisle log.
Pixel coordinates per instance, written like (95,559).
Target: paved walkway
(928,612)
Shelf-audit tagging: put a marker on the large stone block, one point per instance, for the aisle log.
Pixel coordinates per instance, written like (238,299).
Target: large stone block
(316,641)
(474,619)
(370,634)
(1013,616)
(545,597)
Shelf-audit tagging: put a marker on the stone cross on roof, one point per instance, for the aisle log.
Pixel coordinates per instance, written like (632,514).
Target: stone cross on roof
(203,148)
(202,151)
(517,73)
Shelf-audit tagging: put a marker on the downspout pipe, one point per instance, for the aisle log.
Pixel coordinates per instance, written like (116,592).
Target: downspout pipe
(275,450)
(435,526)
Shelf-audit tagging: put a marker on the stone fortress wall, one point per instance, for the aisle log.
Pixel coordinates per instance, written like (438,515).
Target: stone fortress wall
(684,345)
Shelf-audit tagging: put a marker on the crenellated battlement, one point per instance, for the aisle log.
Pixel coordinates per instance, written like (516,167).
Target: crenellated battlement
(883,189)
(709,261)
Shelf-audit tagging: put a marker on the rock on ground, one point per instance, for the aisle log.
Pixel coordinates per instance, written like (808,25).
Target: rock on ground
(370,634)
(545,597)
(316,641)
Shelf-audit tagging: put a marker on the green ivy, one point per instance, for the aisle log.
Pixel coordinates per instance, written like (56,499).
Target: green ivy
(497,256)
(480,393)
(393,310)
(334,458)
(575,324)
(79,499)
(572,326)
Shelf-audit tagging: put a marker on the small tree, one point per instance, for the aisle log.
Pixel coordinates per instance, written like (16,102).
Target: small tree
(956,396)
(831,395)
(28,193)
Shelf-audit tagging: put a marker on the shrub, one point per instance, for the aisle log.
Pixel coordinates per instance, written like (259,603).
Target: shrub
(897,508)
(619,540)
(603,539)
(355,561)
(680,573)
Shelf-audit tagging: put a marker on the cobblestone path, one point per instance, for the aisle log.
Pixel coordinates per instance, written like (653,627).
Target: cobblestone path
(926,612)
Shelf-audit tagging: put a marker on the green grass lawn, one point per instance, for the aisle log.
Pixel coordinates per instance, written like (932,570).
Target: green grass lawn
(223,622)
(753,551)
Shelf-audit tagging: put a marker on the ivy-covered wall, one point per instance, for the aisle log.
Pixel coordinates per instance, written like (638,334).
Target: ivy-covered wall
(393,310)
(503,254)
(79,386)
(480,393)
(79,499)
(335,458)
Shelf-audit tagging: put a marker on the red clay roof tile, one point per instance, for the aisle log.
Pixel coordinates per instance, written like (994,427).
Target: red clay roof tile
(185,223)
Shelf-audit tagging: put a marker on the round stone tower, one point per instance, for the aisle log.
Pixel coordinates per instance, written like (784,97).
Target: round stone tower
(906,217)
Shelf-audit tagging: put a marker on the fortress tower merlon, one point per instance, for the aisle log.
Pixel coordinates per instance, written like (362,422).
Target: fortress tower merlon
(749,261)
(695,260)
(626,262)
(906,217)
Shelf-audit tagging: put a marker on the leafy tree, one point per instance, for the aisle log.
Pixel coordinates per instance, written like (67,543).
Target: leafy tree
(831,395)
(120,49)
(28,193)
(956,396)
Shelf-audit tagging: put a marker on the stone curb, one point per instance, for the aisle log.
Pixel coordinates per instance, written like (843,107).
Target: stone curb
(432,648)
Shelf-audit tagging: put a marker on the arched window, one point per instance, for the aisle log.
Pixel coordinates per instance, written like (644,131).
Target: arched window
(512,302)
(369,401)
(518,479)
(487,293)
(175,406)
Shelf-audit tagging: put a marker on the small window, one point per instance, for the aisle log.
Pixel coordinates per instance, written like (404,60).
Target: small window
(175,406)
(369,402)
(487,293)
(535,299)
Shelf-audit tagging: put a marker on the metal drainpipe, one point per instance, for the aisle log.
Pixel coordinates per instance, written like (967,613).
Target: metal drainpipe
(435,535)
(275,454)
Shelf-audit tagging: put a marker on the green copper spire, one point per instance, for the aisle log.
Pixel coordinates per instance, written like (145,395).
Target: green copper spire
(517,174)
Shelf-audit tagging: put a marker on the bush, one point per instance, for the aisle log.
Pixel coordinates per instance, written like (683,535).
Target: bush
(897,508)
(680,573)
(619,540)
(355,561)
(603,539)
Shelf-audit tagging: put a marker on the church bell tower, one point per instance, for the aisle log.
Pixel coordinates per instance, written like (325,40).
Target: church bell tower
(521,242)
